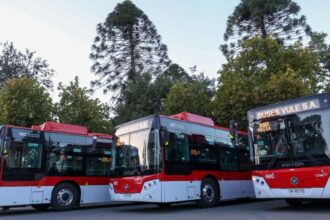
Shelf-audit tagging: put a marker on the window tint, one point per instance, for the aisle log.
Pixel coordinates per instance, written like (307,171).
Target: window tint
(99,159)
(66,158)
(203,153)
(177,154)
(23,155)
(228,157)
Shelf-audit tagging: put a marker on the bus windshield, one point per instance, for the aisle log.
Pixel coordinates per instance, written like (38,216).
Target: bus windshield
(137,150)
(296,140)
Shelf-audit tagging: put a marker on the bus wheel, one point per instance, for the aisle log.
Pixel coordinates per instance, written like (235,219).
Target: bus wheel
(209,193)
(294,202)
(164,205)
(65,196)
(41,206)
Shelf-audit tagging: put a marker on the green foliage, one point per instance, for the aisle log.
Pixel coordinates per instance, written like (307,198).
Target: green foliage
(264,72)
(137,100)
(145,96)
(127,44)
(23,102)
(317,43)
(76,107)
(192,96)
(15,64)
(278,19)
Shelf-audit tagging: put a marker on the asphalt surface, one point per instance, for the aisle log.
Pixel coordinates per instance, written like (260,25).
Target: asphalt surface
(242,210)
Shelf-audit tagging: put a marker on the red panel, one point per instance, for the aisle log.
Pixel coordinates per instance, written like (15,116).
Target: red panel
(59,127)
(135,183)
(186,116)
(310,177)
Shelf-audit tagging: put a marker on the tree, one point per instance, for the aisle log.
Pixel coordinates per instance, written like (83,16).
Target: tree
(23,102)
(317,43)
(76,107)
(137,100)
(145,96)
(192,96)
(278,19)
(16,64)
(264,72)
(127,43)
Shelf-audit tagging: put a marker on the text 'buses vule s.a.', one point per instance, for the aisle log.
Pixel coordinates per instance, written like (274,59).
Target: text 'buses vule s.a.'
(291,142)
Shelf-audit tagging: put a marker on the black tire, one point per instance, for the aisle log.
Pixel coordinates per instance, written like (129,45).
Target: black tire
(41,206)
(163,205)
(65,196)
(210,194)
(294,202)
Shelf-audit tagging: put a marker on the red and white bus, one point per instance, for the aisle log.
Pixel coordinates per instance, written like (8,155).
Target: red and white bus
(184,157)
(291,142)
(53,164)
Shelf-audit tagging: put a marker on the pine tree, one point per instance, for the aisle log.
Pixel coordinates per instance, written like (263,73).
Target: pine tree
(278,19)
(127,44)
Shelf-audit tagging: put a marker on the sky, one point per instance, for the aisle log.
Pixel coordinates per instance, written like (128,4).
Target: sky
(62,31)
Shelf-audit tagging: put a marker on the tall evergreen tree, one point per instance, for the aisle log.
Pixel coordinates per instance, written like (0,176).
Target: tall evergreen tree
(127,43)
(15,64)
(278,19)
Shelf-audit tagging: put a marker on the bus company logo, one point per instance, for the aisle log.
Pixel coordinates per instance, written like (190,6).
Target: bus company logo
(294,180)
(125,187)
(270,176)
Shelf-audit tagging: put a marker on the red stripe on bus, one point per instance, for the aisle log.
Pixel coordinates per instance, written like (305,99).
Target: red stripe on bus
(134,184)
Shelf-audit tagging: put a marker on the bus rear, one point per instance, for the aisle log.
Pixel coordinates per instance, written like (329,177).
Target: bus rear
(291,143)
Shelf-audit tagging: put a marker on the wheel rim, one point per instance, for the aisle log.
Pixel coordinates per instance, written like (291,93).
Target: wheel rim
(65,197)
(208,193)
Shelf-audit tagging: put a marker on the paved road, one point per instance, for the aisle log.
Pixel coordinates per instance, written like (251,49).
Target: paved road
(264,210)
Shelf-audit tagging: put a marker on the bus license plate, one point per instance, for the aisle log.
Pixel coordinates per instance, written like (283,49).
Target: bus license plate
(127,196)
(297,191)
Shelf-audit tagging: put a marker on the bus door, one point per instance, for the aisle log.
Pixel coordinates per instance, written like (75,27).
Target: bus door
(177,169)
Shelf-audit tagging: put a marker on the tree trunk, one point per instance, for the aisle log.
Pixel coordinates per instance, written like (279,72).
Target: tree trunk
(263,28)
(132,50)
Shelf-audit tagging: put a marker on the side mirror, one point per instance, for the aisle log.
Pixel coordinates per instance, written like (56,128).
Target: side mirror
(232,130)
(164,135)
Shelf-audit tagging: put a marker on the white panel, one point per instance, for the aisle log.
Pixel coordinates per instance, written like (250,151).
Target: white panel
(247,188)
(46,193)
(10,196)
(230,189)
(175,191)
(37,197)
(93,194)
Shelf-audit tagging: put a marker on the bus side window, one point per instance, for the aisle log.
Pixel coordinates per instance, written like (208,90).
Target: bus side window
(177,148)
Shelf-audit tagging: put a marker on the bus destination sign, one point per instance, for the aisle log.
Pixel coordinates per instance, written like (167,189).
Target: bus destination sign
(288,109)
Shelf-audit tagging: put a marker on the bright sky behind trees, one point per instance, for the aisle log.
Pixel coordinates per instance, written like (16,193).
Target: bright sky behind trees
(62,31)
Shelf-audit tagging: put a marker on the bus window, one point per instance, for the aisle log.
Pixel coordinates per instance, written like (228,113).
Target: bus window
(177,155)
(203,152)
(98,160)
(66,158)
(22,154)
